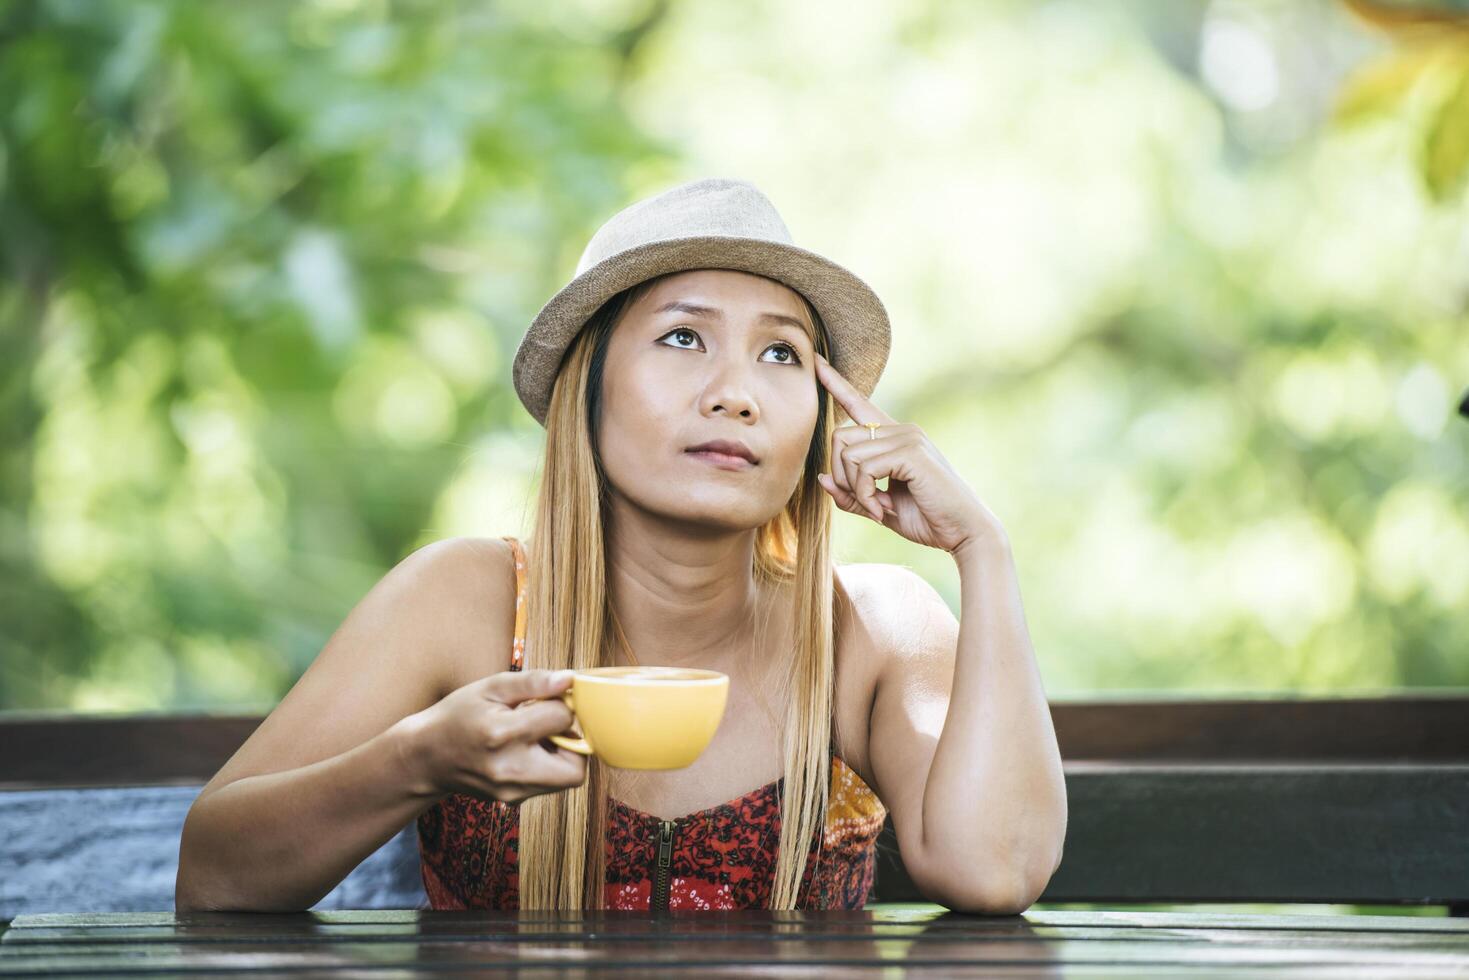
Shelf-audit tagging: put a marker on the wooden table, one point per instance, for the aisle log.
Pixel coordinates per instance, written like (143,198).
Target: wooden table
(871,942)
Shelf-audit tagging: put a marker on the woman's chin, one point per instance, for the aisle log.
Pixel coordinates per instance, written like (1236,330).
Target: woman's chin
(732,514)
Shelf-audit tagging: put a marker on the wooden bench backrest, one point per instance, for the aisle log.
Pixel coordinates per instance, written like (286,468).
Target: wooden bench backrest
(1322,800)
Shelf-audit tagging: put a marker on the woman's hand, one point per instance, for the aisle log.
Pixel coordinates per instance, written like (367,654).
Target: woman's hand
(485,739)
(925,500)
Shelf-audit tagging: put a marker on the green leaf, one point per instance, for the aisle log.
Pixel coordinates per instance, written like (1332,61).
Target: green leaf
(1446,146)
(1381,86)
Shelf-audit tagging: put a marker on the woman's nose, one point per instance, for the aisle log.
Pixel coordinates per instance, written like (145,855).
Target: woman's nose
(730,392)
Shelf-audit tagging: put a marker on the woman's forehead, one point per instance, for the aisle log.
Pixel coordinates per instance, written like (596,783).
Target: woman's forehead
(725,290)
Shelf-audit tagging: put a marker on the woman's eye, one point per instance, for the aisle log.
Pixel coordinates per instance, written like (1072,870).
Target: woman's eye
(681,333)
(791,356)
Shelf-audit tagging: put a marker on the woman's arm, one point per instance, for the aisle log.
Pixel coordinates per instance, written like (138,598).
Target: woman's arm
(963,747)
(325,778)
(281,841)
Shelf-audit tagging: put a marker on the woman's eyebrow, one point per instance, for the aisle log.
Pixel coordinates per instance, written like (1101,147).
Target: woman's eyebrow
(712,313)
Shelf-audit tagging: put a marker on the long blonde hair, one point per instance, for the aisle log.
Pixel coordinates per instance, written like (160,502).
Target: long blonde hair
(562,859)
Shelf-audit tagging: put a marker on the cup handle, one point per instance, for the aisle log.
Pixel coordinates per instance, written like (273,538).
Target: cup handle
(577,745)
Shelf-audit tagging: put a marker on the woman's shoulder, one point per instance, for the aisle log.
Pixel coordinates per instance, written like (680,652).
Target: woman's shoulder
(469,566)
(894,621)
(886,612)
(474,594)
(872,615)
(881,601)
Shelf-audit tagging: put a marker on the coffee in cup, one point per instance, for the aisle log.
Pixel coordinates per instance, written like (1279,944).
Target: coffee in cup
(644,717)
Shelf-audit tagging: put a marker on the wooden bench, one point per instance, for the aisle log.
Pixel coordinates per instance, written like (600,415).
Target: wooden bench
(1337,800)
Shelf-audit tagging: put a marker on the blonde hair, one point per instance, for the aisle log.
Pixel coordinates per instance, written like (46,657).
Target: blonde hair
(562,859)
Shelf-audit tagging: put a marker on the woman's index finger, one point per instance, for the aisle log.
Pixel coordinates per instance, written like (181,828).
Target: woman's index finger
(859,407)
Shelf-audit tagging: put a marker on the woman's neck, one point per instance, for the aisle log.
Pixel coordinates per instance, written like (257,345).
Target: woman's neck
(685,601)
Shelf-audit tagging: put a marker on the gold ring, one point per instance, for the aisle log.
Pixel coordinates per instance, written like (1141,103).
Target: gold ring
(872,429)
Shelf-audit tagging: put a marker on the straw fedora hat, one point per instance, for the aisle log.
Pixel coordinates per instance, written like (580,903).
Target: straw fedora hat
(712,223)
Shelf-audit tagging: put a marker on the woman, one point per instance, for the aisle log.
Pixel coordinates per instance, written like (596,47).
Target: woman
(688,379)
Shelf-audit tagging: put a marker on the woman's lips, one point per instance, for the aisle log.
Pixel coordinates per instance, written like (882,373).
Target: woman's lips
(723,460)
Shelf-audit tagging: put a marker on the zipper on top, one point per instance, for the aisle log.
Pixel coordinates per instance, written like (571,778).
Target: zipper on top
(658,901)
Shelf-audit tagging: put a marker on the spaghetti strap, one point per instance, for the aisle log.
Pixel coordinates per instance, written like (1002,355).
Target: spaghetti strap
(517,647)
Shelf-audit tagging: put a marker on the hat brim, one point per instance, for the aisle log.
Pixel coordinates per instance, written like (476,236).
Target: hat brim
(856,321)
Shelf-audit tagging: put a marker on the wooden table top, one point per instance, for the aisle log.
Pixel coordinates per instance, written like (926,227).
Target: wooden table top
(866,942)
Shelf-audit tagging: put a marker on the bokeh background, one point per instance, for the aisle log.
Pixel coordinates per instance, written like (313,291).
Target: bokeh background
(1182,288)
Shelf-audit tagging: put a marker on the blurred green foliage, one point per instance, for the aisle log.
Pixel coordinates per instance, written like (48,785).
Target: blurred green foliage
(265,266)
(1181,286)
(1424,77)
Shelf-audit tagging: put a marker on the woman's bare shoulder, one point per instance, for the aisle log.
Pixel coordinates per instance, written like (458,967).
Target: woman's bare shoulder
(431,624)
(884,605)
(473,600)
(891,618)
(861,637)
(870,615)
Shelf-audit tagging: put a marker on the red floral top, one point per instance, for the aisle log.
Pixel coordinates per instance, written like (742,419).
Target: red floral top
(720,858)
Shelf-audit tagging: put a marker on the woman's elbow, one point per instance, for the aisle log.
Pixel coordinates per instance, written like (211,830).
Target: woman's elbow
(184,902)
(990,899)
(998,894)
(189,897)
(191,891)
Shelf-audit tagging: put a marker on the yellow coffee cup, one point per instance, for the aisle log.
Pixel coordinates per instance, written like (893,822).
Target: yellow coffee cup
(645,717)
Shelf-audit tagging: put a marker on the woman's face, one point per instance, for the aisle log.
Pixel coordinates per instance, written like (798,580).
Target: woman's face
(709,354)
